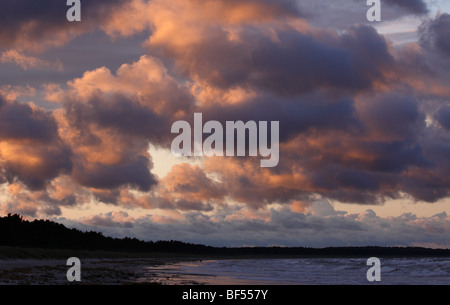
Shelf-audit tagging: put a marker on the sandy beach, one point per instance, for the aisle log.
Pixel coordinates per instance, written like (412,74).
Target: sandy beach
(93,271)
(132,271)
(169,271)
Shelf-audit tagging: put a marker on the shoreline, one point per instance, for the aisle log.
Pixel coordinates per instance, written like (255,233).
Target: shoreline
(15,252)
(94,271)
(190,271)
(45,266)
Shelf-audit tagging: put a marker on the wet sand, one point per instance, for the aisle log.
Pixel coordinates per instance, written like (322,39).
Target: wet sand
(199,273)
(159,271)
(93,271)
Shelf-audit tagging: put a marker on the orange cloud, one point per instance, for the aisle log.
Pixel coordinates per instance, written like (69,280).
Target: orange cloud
(28,62)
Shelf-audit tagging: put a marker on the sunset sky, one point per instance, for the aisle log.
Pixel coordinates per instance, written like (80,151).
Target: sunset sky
(86,110)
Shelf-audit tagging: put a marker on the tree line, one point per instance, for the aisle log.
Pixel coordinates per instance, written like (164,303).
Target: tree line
(18,232)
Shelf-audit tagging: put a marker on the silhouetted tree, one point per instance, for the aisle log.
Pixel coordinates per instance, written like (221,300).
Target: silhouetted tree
(15,231)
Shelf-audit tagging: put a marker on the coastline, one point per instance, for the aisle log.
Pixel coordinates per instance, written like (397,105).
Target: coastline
(121,271)
(41,266)
(95,271)
(226,271)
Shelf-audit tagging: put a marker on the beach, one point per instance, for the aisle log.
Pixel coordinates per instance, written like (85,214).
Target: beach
(93,271)
(188,271)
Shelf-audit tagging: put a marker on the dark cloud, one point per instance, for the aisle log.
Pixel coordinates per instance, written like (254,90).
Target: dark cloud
(362,153)
(293,64)
(185,205)
(443,117)
(46,20)
(109,196)
(48,163)
(418,7)
(32,150)
(301,63)
(20,121)
(312,111)
(393,116)
(118,113)
(134,172)
(435,34)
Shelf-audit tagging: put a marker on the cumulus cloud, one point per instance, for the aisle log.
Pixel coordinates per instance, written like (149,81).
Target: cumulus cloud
(414,6)
(26,24)
(31,149)
(110,219)
(319,226)
(361,119)
(434,33)
(284,59)
(109,121)
(10,92)
(443,117)
(27,62)
(31,203)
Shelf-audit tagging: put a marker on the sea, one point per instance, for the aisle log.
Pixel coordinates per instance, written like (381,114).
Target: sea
(303,271)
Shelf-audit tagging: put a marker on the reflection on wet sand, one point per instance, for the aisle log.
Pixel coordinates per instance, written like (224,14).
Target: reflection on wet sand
(202,273)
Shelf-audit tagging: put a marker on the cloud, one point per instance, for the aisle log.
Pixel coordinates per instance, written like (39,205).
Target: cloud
(167,18)
(354,151)
(434,34)
(139,104)
(348,132)
(26,24)
(346,13)
(283,59)
(191,183)
(418,7)
(31,149)
(25,122)
(48,202)
(142,100)
(361,120)
(28,62)
(135,172)
(10,92)
(110,219)
(319,226)
(443,117)
(298,63)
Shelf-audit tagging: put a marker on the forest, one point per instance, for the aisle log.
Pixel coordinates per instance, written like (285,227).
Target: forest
(18,232)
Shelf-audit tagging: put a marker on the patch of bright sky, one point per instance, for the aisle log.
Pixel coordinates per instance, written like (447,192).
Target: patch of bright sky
(163,160)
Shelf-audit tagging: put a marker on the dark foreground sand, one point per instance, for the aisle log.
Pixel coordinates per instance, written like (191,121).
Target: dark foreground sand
(128,271)
(93,271)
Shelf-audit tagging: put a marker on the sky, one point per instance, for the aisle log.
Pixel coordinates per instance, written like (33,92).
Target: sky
(86,110)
